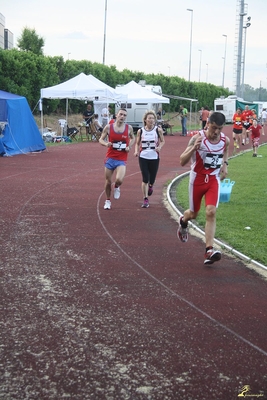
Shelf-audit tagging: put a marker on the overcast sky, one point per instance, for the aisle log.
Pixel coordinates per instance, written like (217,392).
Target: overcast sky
(152,36)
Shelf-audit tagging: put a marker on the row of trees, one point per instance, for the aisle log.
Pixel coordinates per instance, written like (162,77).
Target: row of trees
(251,94)
(25,71)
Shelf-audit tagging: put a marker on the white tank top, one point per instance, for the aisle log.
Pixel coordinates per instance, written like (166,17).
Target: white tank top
(149,142)
(208,159)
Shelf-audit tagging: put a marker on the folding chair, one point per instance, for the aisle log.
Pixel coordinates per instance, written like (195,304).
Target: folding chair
(95,134)
(72,132)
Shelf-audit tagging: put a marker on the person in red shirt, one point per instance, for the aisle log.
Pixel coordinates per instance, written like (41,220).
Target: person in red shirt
(205,115)
(118,138)
(255,130)
(247,115)
(237,127)
(113,119)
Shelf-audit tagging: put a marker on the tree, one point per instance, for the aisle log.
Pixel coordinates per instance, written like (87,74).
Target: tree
(30,41)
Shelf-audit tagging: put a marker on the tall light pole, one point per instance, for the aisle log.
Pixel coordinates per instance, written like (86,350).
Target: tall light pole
(199,74)
(224,59)
(244,54)
(207,73)
(69,56)
(105,24)
(242,13)
(190,9)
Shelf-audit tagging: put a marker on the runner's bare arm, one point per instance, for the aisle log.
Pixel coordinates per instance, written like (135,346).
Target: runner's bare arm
(161,140)
(137,143)
(132,139)
(224,166)
(193,145)
(103,136)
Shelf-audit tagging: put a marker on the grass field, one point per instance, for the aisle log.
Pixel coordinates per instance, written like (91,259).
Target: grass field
(246,208)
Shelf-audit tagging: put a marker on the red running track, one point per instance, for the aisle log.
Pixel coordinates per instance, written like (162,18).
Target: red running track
(108,304)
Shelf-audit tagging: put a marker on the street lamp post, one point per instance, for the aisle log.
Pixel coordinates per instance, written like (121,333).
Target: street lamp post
(69,56)
(224,60)
(105,24)
(207,73)
(244,54)
(190,9)
(199,74)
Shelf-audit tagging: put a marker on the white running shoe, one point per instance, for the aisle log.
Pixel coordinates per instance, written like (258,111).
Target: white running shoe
(117,193)
(107,205)
(211,256)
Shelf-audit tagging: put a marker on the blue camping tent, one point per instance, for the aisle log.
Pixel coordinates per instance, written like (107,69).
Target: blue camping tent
(19,133)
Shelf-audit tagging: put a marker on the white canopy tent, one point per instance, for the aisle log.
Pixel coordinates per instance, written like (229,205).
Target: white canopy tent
(139,100)
(81,87)
(136,93)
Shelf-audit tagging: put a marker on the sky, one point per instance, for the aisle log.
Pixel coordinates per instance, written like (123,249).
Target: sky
(150,36)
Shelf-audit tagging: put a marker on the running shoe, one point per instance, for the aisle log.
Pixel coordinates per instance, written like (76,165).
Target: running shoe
(150,190)
(211,256)
(117,193)
(107,205)
(145,204)
(182,232)
(254,155)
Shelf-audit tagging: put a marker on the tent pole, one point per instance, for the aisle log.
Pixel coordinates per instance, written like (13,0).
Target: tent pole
(67,107)
(42,117)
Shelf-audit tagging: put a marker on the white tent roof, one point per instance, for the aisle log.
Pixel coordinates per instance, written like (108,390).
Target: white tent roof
(136,93)
(81,87)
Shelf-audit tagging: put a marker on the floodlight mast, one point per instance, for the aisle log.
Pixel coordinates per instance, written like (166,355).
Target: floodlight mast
(105,25)
(190,51)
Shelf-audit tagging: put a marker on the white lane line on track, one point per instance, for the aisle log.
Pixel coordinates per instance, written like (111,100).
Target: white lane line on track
(189,303)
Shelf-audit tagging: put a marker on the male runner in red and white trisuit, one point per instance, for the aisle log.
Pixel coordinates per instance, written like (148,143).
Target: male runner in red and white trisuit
(208,152)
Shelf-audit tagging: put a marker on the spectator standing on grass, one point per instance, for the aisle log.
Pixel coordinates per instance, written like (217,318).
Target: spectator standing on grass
(118,138)
(183,116)
(149,142)
(237,128)
(208,152)
(255,129)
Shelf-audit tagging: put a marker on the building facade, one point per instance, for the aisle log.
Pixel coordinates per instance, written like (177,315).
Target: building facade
(6,37)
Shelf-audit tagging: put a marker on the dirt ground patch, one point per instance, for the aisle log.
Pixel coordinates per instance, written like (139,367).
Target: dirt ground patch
(51,121)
